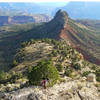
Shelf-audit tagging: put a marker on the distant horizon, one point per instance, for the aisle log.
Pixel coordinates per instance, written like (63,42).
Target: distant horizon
(49,1)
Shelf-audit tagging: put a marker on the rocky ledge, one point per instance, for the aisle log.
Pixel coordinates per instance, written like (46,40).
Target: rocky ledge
(67,89)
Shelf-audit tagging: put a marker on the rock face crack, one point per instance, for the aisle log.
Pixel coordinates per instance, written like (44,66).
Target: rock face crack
(79,95)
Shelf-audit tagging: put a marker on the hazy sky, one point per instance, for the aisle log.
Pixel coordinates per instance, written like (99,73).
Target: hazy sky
(43,0)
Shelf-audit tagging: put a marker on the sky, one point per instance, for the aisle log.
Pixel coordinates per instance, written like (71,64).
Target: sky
(43,0)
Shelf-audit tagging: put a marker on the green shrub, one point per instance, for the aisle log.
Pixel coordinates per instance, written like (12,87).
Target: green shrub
(29,68)
(98,74)
(15,63)
(68,71)
(12,73)
(15,77)
(32,41)
(86,73)
(50,55)
(54,53)
(60,67)
(3,75)
(44,69)
(24,44)
(76,66)
(94,67)
(47,40)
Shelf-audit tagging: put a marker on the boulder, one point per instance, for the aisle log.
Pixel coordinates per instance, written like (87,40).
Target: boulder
(91,78)
(34,96)
(7,96)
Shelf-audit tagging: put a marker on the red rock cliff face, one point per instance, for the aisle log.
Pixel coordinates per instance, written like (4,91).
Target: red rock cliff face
(67,32)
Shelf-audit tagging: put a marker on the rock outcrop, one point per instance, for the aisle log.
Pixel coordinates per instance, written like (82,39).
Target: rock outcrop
(69,90)
(91,78)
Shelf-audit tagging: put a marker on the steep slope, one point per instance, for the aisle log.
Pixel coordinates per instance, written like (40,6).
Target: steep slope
(9,42)
(61,26)
(94,24)
(81,37)
(84,40)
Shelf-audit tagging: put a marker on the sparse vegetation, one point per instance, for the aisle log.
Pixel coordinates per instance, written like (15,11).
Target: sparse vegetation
(98,74)
(3,75)
(76,66)
(86,73)
(15,63)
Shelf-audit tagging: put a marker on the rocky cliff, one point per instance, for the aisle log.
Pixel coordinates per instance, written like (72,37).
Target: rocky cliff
(4,20)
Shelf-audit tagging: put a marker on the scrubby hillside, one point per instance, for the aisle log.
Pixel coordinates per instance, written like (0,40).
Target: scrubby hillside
(59,51)
(94,24)
(9,42)
(68,67)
